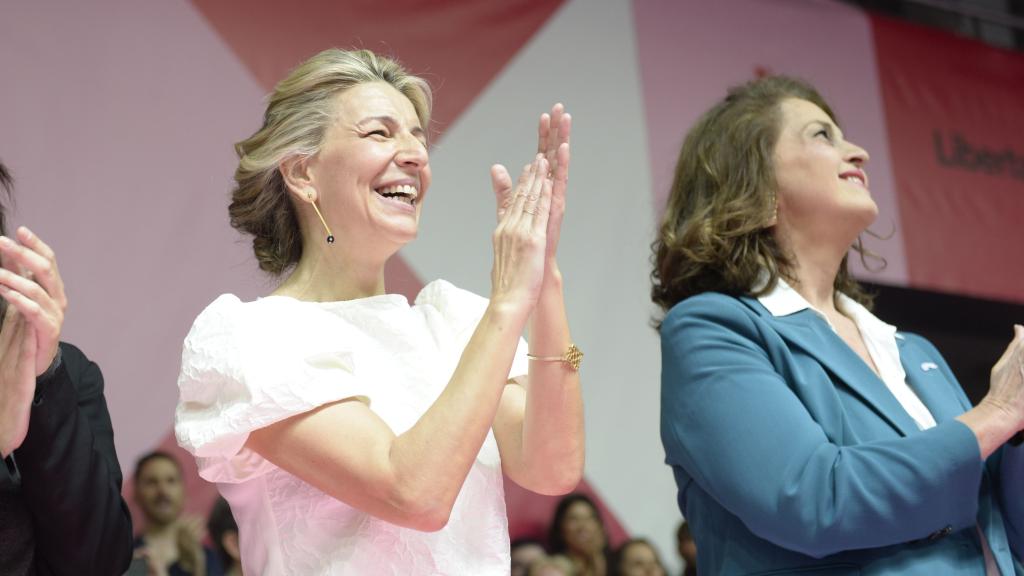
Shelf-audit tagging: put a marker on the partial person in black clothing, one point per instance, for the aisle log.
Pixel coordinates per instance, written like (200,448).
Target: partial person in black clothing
(224,533)
(61,510)
(170,543)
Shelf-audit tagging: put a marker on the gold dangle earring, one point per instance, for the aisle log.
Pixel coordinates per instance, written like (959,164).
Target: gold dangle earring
(330,236)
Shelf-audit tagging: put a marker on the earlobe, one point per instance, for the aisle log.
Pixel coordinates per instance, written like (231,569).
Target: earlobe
(297,177)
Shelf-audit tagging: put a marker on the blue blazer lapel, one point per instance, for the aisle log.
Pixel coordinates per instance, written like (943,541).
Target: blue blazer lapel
(806,331)
(926,377)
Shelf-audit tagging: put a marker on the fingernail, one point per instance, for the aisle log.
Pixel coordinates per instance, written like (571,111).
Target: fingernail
(4,240)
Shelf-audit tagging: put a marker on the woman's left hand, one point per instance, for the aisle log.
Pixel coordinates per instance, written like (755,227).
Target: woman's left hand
(553,142)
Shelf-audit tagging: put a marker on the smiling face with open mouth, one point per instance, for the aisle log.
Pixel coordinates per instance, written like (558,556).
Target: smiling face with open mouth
(822,186)
(372,171)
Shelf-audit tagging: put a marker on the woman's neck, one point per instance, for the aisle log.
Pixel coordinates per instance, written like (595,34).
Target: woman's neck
(815,265)
(334,274)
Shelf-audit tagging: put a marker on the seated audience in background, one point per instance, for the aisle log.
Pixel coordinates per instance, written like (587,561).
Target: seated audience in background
(687,549)
(637,557)
(61,510)
(524,552)
(224,533)
(556,565)
(577,531)
(170,543)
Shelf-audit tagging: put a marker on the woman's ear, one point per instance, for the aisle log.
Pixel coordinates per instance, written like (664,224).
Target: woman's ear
(295,171)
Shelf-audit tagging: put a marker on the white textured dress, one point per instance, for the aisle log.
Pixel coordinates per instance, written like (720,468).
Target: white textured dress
(246,365)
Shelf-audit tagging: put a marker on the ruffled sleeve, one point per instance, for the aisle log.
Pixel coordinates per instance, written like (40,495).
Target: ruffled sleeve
(245,366)
(462,311)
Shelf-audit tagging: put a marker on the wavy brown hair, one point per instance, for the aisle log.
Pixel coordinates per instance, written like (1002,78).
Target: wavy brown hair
(715,234)
(298,113)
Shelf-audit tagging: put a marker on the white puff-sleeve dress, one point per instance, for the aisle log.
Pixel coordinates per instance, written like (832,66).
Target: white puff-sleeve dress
(246,365)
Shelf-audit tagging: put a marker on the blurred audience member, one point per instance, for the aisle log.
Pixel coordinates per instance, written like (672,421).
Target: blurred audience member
(687,549)
(557,565)
(224,533)
(578,532)
(525,551)
(170,543)
(637,557)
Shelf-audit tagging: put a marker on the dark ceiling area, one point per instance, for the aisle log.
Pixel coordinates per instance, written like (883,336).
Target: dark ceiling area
(970,333)
(996,22)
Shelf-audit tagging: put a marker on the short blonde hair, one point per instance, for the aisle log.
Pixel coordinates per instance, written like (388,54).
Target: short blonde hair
(296,119)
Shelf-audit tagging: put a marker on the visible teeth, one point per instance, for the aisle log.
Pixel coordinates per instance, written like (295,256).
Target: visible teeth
(854,177)
(403,189)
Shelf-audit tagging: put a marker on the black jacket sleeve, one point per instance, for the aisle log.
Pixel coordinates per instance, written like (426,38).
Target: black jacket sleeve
(71,480)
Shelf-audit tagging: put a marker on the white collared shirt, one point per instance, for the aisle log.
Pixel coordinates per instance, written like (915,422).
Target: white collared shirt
(879,338)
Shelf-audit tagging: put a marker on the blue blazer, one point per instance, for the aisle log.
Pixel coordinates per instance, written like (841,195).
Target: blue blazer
(792,456)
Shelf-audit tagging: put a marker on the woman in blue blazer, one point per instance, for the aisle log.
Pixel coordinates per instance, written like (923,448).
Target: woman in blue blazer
(807,436)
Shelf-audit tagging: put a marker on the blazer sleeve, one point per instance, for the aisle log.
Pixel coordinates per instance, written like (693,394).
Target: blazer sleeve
(1010,476)
(733,422)
(1006,467)
(71,479)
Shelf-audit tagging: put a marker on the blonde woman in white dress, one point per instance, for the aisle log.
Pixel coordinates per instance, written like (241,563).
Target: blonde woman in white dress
(353,432)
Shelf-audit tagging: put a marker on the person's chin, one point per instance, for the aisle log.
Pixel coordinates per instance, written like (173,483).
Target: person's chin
(405,234)
(868,211)
(396,237)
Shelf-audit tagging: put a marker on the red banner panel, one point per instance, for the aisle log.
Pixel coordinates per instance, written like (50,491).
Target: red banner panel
(955,115)
(459,47)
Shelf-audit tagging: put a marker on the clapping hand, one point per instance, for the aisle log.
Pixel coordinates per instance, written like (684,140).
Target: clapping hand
(1006,389)
(521,235)
(190,534)
(34,292)
(553,142)
(553,133)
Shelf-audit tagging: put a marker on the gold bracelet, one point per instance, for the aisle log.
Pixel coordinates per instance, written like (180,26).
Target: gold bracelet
(573,357)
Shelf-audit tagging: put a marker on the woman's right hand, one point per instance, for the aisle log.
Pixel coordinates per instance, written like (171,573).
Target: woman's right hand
(1006,385)
(520,239)
(1000,414)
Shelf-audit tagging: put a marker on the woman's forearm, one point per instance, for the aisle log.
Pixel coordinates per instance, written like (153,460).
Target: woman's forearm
(992,425)
(435,455)
(553,445)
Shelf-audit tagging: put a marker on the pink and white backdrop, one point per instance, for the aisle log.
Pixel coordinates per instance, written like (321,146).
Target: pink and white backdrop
(118,117)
